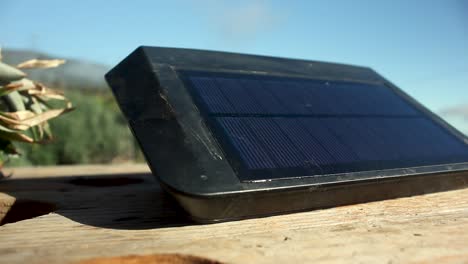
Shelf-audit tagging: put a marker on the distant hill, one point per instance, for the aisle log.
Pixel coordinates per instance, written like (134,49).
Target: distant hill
(75,74)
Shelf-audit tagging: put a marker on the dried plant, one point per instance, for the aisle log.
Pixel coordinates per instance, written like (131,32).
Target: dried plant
(26,106)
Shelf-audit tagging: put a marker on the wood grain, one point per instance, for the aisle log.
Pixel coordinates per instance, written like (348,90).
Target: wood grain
(104,211)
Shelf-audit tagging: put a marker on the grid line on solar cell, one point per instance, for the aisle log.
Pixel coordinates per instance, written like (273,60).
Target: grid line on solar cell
(350,137)
(304,141)
(362,136)
(239,97)
(354,133)
(283,151)
(212,97)
(245,141)
(381,137)
(423,147)
(339,151)
(340,105)
(319,102)
(266,99)
(408,142)
(444,144)
(388,101)
(357,98)
(293,100)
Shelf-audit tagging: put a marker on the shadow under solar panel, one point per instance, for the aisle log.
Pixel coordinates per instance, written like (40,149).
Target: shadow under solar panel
(233,136)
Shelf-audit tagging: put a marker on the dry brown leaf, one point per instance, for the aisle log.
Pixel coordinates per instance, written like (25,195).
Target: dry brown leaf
(46,97)
(16,137)
(21,85)
(13,86)
(40,118)
(24,138)
(42,90)
(19,115)
(54,96)
(35,63)
(11,123)
(22,120)
(24,84)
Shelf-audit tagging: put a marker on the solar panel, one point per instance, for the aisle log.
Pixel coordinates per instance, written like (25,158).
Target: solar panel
(233,136)
(305,127)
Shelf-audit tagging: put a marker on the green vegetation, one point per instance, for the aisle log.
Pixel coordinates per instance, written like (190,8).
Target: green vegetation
(95,132)
(26,106)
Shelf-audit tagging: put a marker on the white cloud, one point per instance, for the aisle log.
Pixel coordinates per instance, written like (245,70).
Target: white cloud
(456,111)
(248,20)
(240,21)
(457,116)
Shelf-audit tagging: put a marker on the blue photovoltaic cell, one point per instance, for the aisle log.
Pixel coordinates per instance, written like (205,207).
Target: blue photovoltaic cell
(409,146)
(211,96)
(274,127)
(389,103)
(263,97)
(363,101)
(426,132)
(383,129)
(371,137)
(294,100)
(246,143)
(239,97)
(337,149)
(304,142)
(277,144)
(343,129)
(304,97)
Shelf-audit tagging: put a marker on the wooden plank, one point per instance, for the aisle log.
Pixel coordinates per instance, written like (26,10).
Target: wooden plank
(68,171)
(106,213)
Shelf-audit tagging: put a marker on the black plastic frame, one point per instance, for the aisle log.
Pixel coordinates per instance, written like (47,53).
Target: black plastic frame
(191,165)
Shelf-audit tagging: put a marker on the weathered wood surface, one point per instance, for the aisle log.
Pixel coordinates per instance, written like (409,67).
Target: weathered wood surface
(104,211)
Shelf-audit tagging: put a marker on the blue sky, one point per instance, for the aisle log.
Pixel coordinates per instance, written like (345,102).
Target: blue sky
(422,46)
